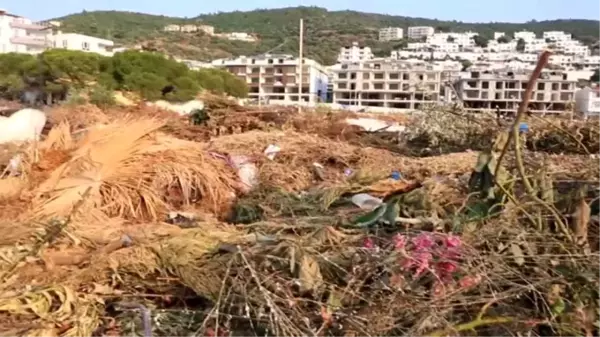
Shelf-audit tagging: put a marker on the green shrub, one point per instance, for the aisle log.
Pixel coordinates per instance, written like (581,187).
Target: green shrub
(102,97)
(59,71)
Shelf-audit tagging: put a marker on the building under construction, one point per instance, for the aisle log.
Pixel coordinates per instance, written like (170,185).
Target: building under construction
(503,90)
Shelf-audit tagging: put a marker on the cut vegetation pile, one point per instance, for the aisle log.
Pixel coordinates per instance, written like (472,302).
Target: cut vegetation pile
(133,221)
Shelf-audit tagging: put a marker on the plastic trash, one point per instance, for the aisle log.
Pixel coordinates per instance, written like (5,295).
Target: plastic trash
(247,171)
(366,201)
(319,171)
(523,127)
(271,151)
(348,172)
(396,175)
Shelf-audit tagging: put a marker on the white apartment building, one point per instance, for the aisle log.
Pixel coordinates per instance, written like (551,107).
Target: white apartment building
(535,45)
(419,32)
(503,89)
(72,41)
(557,36)
(461,39)
(391,34)
(496,47)
(209,30)
(277,77)
(238,36)
(501,58)
(525,35)
(354,53)
(21,35)
(417,46)
(391,84)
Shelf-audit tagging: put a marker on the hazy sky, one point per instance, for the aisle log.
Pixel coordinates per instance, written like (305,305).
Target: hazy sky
(461,10)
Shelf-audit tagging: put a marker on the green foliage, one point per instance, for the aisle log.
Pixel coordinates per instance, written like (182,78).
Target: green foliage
(326,31)
(520,45)
(595,76)
(504,39)
(102,97)
(480,41)
(465,64)
(145,73)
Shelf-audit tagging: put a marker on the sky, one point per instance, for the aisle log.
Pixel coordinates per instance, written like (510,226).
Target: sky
(460,10)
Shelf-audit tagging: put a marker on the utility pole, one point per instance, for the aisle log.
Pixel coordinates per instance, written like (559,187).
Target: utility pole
(301,62)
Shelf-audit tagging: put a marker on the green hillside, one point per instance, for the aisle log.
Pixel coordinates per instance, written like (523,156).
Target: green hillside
(326,31)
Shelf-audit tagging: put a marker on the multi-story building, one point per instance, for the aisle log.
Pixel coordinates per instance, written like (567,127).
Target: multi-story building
(498,35)
(390,83)
(419,32)
(556,36)
(81,42)
(239,36)
(354,53)
(21,35)
(525,35)
(277,77)
(209,30)
(504,88)
(460,39)
(391,34)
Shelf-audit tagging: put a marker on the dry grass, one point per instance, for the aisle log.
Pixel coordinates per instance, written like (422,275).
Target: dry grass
(302,270)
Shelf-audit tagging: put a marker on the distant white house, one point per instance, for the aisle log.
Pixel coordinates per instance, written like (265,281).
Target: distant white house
(72,41)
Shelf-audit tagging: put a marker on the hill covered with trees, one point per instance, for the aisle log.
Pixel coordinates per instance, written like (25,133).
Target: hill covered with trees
(326,31)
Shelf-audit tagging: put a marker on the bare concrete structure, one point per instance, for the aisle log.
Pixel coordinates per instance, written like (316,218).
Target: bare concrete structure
(277,77)
(391,83)
(503,89)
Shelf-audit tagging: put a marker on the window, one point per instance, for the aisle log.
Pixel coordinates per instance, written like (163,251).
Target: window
(65,43)
(85,46)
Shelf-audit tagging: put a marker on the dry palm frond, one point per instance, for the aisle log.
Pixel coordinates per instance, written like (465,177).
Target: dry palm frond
(129,170)
(56,304)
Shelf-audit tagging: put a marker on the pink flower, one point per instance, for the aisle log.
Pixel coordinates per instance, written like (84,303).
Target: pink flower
(469,281)
(368,243)
(452,241)
(446,268)
(423,241)
(399,241)
(421,261)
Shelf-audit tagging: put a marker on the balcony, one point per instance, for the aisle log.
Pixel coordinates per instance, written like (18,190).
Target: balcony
(28,26)
(31,41)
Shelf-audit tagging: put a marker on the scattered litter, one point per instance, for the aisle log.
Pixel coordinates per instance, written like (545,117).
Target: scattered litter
(366,201)
(182,219)
(271,151)
(396,175)
(319,171)
(348,172)
(372,125)
(22,126)
(523,127)
(247,171)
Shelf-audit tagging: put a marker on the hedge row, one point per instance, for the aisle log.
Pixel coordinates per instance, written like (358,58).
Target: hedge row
(59,71)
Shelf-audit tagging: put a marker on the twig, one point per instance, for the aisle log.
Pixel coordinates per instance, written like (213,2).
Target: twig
(524,103)
(478,322)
